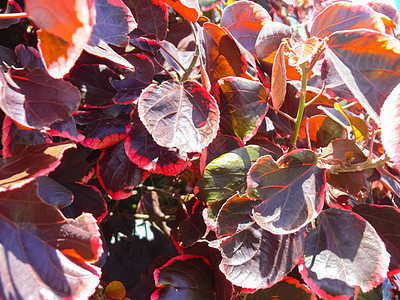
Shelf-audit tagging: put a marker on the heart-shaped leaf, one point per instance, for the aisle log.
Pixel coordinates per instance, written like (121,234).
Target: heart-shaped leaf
(243,105)
(185,277)
(65,28)
(27,163)
(343,253)
(370,80)
(36,100)
(244,20)
(385,220)
(182,116)
(347,16)
(117,174)
(291,189)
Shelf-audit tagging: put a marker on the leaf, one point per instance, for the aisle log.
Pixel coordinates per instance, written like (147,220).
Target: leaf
(244,20)
(206,5)
(49,251)
(343,253)
(36,100)
(372,78)
(390,113)
(114,21)
(117,174)
(28,57)
(291,191)
(225,176)
(52,192)
(335,85)
(66,129)
(182,116)
(185,277)
(287,288)
(28,163)
(12,7)
(129,89)
(243,105)
(220,145)
(102,130)
(148,155)
(220,54)
(65,29)
(255,258)
(151,17)
(115,290)
(385,220)
(94,83)
(347,16)
(278,78)
(189,9)
(303,52)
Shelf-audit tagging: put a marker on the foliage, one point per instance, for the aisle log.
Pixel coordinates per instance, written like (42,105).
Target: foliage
(259,139)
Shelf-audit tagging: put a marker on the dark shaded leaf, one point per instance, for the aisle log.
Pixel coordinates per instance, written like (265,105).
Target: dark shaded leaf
(151,17)
(54,193)
(132,85)
(291,189)
(385,220)
(87,199)
(347,16)
(114,21)
(184,277)
(335,85)
(7,57)
(225,176)
(36,100)
(28,57)
(244,20)
(66,129)
(117,174)
(342,253)
(12,7)
(102,130)
(146,44)
(369,64)
(182,116)
(243,105)
(220,145)
(148,155)
(27,163)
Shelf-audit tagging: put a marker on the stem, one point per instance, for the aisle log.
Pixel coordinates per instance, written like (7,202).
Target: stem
(14,16)
(195,57)
(300,110)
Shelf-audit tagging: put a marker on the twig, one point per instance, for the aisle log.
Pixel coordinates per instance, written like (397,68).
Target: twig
(14,16)
(282,113)
(317,96)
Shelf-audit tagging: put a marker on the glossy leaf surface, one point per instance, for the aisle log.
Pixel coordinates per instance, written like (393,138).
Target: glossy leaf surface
(350,249)
(182,116)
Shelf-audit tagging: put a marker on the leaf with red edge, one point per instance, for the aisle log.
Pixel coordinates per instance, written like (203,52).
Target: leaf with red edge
(65,29)
(386,222)
(129,89)
(49,251)
(66,129)
(148,155)
(343,253)
(182,116)
(278,78)
(87,199)
(36,100)
(347,16)
(254,258)
(287,288)
(389,116)
(184,277)
(117,174)
(12,7)
(244,20)
(243,105)
(151,16)
(206,5)
(27,163)
(102,130)
(114,21)
(291,189)
(220,54)
(189,9)
(12,137)
(94,83)
(372,78)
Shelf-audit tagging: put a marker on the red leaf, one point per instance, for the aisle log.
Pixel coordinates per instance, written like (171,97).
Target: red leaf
(244,20)
(27,163)
(189,9)
(343,253)
(36,100)
(182,116)
(278,78)
(66,27)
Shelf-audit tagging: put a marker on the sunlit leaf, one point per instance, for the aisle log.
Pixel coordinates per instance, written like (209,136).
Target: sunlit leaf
(278,78)
(343,253)
(182,116)
(304,51)
(189,9)
(206,5)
